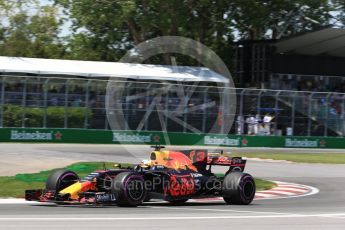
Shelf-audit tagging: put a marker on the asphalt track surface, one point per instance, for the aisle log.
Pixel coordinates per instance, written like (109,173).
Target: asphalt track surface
(325,210)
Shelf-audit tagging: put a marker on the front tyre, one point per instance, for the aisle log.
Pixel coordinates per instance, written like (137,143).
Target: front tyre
(129,189)
(61,179)
(238,188)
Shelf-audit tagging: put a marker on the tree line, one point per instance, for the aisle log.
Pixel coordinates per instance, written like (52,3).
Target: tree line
(104,30)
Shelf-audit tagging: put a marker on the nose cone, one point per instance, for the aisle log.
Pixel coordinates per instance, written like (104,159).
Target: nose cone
(76,188)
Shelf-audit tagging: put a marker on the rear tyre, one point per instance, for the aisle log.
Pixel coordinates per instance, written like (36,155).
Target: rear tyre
(129,189)
(61,179)
(238,188)
(148,197)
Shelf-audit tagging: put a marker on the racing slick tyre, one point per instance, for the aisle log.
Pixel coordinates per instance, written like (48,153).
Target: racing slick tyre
(61,179)
(238,188)
(129,189)
(148,197)
(178,202)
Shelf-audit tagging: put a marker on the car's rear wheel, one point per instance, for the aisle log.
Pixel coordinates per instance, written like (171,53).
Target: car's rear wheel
(129,189)
(148,197)
(238,188)
(61,179)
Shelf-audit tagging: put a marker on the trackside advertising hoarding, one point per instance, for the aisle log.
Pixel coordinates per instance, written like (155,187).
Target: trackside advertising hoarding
(146,137)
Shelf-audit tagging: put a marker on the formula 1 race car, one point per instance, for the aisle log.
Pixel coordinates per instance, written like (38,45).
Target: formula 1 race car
(174,176)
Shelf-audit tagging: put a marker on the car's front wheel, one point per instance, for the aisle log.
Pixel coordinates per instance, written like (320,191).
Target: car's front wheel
(61,179)
(129,189)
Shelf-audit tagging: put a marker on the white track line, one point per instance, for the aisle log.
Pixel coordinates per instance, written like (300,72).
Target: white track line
(261,195)
(290,189)
(277,193)
(78,219)
(221,210)
(15,201)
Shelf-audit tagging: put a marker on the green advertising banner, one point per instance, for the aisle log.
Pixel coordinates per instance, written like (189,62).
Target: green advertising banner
(147,137)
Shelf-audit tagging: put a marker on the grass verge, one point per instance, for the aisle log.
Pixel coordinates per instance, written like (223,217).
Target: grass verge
(14,186)
(325,158)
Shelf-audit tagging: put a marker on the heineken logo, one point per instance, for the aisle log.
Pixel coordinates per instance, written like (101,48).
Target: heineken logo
(209,140)
(244,141)
(35,135)
(290,142)
(323,143)
(135,138)
(156,138)
(58,135)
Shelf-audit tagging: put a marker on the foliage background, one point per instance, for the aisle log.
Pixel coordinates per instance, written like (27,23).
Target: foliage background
(105,29)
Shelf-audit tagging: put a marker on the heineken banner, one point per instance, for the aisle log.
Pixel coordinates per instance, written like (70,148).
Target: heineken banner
(153,138)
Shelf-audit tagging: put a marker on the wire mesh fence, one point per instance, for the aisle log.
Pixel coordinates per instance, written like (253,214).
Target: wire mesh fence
(53,102)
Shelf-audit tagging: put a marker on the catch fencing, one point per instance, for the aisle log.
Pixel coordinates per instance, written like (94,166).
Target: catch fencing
(203,108)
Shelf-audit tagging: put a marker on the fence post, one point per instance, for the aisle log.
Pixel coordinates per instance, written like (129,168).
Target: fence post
(309,113)
(24,103)
(185,120)
(241,112)
(3,80)
(293,111)
(166,109)
(147,105)
(241,102)
(259,103)
(45,102)
(66,104)
(87,95)
(204,111)
(342,118)
(223,110)
(276,111)
(326,115)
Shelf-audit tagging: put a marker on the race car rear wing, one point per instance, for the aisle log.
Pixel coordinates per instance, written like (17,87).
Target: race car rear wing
(225,160)
(204,157)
